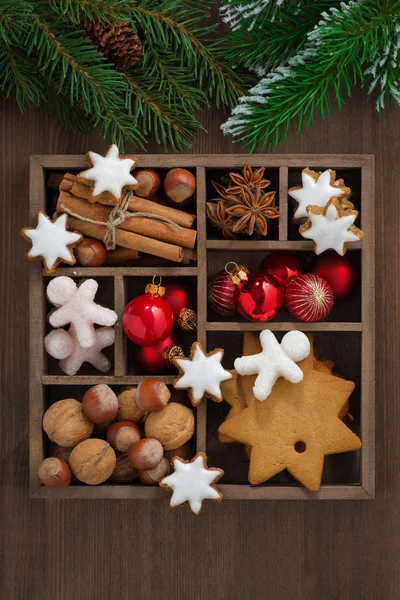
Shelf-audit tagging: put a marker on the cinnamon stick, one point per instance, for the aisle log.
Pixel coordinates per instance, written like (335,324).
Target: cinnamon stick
(126,239)
(121,256)
(165,232)
(179,217)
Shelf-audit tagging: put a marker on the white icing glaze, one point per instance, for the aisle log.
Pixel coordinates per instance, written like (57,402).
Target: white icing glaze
(275,360)
(109,173)
(191,482)
(315,193)
(202,374)
(77,307)
(51,240)
(330,231)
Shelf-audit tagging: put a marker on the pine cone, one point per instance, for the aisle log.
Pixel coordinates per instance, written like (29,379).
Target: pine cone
(117,41)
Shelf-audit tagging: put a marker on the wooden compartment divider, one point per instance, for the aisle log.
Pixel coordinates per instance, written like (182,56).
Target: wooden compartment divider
(40,380)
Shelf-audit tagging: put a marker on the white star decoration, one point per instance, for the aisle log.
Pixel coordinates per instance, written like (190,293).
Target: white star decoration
(315,193)
(104,337)
(50,241)
(192,482)
(77,307)
(330,230)
(109,173)
(275,360)
(202,374)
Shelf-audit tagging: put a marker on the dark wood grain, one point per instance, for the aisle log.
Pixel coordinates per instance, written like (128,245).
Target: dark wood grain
(336,550)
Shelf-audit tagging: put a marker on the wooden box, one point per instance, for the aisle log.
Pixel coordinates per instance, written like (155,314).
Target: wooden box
(347,337)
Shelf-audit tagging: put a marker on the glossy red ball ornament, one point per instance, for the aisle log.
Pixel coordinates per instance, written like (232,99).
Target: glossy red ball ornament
(181,296)
(338,271)
(221,294)
(148,319)
(157,359)
(259,298)
(309,298)
(282,265)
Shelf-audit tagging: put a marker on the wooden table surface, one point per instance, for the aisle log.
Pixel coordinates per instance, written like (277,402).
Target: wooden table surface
(236,550)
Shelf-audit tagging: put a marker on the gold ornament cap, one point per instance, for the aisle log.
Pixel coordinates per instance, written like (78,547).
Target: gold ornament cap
(236,273)
(187,319)
(170,352)
(155,288)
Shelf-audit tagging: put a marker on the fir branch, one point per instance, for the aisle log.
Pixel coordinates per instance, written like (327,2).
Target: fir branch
(333,58)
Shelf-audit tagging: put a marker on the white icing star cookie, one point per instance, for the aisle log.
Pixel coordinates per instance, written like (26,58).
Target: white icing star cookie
(60,343)
(192,482)
(275,360)
(51,242)
(317,190)
(109,173)
(202,374)
(331,227)
(77,307)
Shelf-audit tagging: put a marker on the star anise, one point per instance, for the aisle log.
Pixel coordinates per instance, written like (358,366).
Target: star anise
(243,206)
(252,212)
(216,212)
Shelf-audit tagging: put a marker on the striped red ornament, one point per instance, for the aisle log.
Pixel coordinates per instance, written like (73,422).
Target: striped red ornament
(309,298)
(221,292)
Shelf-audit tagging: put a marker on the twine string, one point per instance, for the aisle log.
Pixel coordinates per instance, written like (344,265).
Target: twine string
(116,217)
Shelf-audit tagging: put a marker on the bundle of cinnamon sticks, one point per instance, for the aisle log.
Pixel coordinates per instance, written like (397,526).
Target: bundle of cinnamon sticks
(166,232)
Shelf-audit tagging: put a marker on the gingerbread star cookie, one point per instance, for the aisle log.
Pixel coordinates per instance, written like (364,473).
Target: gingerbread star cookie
(295,427)
(317,189)
(192,482)
(108,176)
(331,227)
(51,241)
(202,374)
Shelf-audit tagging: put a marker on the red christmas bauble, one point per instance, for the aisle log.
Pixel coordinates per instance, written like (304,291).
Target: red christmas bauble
(147,319)
(259,298)
(282,265)
(182,299)
(156,358)
(179,295)
(221,294)
(309,298)
(338,271)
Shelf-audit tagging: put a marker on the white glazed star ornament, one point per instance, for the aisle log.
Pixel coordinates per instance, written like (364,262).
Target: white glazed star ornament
(275,360)
(317,190)
(77,307)
(51,242)
(109,173)
(331,227)
(192,482)
(202,374)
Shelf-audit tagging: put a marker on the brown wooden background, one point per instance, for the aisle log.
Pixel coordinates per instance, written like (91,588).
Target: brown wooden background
(281,550)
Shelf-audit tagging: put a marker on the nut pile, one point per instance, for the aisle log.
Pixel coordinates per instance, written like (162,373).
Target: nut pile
(112,437)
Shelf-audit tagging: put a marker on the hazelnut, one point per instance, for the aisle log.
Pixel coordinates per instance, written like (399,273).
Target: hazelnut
(149,183)
(124,472)
(152,395)
(100,404)
(59,452)
(54,473)
(90,253)
(92,461)
(146,454)
(128,408)
(179,185)
(154,476)
(172,426)
(66,424)
(184,452)
(123,435)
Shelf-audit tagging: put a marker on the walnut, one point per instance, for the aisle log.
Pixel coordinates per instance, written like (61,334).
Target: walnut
(66,424)
(124,472)
(172,426)
(92,461)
